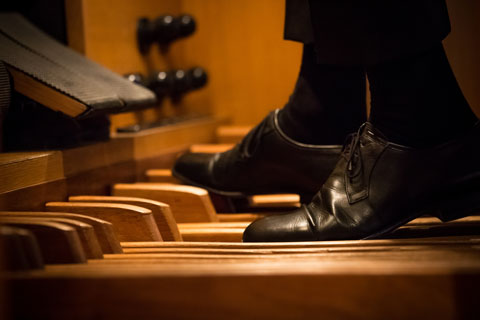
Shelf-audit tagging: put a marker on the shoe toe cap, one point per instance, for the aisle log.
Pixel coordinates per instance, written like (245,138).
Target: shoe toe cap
(194,168)
(280,228)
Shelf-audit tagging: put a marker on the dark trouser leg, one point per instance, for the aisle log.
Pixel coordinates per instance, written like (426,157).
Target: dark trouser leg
(416,101)
(328,102)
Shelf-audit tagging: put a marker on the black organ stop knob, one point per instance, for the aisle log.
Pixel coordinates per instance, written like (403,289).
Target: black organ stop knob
(186,25)
(173,83)
(185,81)
(161,83)
(197,78)
(163,30)
(137,78)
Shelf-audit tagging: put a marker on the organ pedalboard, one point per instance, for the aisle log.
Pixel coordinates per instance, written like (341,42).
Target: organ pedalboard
(104,231)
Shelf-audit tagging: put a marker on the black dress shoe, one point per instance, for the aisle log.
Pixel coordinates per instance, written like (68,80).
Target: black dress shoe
(378,186)
(266,161)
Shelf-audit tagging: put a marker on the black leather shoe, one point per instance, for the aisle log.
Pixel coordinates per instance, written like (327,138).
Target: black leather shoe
(378,186)
(266,161)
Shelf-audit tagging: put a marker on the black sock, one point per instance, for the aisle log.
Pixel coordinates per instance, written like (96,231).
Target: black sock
(417,102)
(328,102)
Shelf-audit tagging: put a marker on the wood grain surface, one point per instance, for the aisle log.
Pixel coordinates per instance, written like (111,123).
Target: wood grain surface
(103,229)
(58,242)
(161,212)
(130,223)
(188,204)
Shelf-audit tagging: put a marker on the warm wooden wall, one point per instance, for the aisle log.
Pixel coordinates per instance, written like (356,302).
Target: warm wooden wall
(252,69)
(240,43)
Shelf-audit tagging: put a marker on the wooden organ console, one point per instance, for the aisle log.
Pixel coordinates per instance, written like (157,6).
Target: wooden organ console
(103,231)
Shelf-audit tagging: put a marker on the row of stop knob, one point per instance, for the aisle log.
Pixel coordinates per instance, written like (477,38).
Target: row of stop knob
(172,83)
(163,30)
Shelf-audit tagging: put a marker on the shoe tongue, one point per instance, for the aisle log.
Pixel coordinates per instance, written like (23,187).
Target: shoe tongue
(373,133)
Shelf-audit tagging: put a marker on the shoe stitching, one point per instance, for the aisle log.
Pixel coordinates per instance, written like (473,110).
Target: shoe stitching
(296,143)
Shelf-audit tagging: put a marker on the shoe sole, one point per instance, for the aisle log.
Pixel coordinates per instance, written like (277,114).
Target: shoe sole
(463,205)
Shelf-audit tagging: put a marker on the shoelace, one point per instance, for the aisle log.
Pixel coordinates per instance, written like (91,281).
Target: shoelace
(351,150)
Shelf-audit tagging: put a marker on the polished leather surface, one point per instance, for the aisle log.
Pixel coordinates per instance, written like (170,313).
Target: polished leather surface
(266,161)
(378,186)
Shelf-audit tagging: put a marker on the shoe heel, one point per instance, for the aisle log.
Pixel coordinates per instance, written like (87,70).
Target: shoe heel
(461,205)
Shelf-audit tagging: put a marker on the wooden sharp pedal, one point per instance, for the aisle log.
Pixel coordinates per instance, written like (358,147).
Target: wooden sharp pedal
(239,217)
(209,231)
(188,204)
(104,233)
(21,250)
(58,242)
(231,134)
(86,235)
(161,212)
(210,148)
(255,202)
(131,223)
(161,175)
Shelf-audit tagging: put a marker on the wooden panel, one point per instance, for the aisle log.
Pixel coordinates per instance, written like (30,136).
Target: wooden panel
(376,287)
(107,33)
(34,197)
(151,142)
(29,179)
(109,37)
(252,69)
(98,155)
(240,43)
(92,169)
(25,169)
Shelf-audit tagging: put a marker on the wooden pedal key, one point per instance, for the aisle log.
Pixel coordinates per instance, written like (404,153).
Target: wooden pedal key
(58,242)
(20,249)
(259,202)
(188,204)
(130,223)
(206,231)
(161,212)
(106,237)
(85,233)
